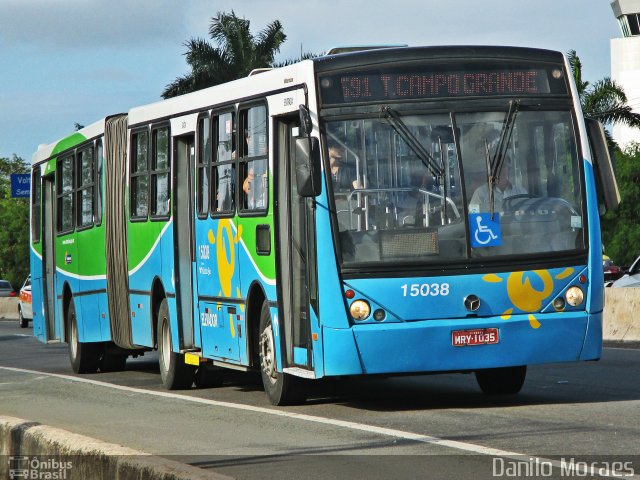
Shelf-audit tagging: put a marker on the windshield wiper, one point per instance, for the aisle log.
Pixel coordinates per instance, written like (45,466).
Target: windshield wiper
(494,165)
(414,144)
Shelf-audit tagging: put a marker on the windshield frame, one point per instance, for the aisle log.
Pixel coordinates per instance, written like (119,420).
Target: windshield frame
(470,263)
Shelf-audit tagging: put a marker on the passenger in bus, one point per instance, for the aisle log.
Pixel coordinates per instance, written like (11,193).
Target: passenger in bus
(255,189)
(343,176)
(503,189)
(254,186)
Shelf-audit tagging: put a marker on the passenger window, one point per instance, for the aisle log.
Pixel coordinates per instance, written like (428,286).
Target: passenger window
(224,166)
(204,165)
(254,160)
(85,194)
(65,188)
(140,175)
(160,186)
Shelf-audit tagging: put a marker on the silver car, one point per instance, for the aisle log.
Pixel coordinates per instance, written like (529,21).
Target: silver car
(631,278)
(6,290)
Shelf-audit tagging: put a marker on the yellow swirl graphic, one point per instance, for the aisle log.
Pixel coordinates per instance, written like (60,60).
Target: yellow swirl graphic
(226,259)
(492,278)
(523,295)
(565,274)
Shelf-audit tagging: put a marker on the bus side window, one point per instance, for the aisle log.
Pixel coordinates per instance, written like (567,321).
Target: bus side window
(139,168)
(203,162)
(99,166)
(65,189)
(161,194)
(254,168)
(36,204)
(85,194)
(223,166)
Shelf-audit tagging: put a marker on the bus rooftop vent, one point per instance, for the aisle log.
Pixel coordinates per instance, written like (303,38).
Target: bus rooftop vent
(360,48)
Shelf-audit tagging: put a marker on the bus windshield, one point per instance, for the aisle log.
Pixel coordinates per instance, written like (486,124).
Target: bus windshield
(429,188)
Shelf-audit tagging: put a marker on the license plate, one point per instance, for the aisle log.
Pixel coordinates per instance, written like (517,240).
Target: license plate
(478,336)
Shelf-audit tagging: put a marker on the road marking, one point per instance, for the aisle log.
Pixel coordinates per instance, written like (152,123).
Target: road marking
(389,432)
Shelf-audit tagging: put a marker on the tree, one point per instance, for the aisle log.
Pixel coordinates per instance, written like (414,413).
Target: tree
(605,100)
(237,53)
(620,229)
(14,218)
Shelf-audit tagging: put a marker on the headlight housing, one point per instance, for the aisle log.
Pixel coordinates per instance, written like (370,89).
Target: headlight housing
(360,310)
(574,296)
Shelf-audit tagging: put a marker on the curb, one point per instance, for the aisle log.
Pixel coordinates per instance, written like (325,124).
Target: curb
(80,457)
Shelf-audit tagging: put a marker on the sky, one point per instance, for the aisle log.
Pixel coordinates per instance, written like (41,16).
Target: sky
(64,62)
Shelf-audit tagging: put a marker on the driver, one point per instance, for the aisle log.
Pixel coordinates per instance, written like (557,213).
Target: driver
(503,189)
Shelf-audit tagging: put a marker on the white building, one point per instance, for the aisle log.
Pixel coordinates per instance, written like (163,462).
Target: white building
(625,63)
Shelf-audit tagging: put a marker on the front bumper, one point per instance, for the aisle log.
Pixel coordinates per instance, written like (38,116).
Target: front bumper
(426,346)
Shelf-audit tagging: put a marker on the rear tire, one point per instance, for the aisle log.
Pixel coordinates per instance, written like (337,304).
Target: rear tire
(175,374)
(85,357)
(281,388)
(24,323)
(501,381)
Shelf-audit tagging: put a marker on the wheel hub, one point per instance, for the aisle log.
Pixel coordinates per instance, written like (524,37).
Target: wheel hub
(267,354)
(166,346)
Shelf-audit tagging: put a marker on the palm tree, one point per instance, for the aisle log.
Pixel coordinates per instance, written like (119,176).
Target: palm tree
(237,53)
(605,100)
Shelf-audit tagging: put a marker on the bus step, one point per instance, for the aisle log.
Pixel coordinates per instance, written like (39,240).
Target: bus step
(300,372)
(232,366)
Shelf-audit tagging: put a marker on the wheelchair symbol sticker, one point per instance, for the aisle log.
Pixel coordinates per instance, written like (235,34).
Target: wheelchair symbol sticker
(484,231)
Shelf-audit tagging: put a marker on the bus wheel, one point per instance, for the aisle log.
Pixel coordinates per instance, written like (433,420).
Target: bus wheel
(85,357)
(281,388)
(24,323)
(175,374)
(208,376)
(501,381)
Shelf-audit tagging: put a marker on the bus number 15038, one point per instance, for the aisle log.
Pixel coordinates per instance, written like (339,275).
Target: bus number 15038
(425,289)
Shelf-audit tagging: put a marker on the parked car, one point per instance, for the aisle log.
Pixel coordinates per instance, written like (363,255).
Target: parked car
(25,310)
(631,278)
(6,290)
(611,271)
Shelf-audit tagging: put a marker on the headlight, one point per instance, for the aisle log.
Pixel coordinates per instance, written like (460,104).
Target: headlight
(574,296)
(558,304)
(360,310)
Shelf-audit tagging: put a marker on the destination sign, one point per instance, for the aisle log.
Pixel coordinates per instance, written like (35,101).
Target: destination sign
(376,86)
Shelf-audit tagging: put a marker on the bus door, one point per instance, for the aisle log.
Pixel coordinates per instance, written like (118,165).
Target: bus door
(48,258)
(184,163)
(295,254)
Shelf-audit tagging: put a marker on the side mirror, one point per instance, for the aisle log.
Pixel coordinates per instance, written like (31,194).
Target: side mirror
(308,166)
(606,186)
(306,125)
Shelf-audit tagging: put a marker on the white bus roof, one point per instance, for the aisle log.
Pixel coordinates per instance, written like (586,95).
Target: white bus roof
(243,88)
(47,150)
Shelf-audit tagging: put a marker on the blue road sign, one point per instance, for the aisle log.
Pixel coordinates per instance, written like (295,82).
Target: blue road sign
(484,231)
(20,185)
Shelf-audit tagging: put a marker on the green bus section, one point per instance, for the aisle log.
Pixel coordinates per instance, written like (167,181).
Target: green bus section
(142,237)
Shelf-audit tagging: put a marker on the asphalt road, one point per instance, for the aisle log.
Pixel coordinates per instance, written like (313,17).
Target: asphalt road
(438,426)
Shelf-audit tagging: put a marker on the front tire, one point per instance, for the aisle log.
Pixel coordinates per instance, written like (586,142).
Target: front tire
(85,357)
(175,374)
(24,323)
(501,381)
(281,388)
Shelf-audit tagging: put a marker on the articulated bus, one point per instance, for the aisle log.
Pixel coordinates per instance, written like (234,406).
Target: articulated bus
(391,211)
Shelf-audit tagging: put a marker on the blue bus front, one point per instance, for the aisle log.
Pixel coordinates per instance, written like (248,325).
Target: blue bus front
(461,212)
